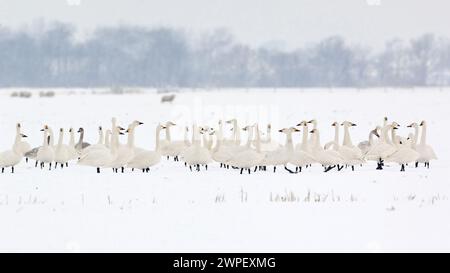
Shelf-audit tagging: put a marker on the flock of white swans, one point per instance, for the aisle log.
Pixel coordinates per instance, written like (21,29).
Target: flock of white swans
(208,145)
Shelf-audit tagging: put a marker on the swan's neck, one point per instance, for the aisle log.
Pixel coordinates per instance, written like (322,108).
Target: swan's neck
(371,134)
(316,138)
(289,144)
(100,137)
(157,139)
(60,139)
(130,142)
(237,133)
(393,136)
(168,137)
(72,139)
(258,140)
(305,136)
(250,137)
(17,141)
(52,139)
(347,139)
(44,143)
(336,136)
(80,140)
(195,136)
(384,135)
(269,134)
(186,138)
(416,136)
(423,137)
(108,140)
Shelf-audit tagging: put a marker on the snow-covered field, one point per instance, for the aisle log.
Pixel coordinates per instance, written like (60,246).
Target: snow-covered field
(172,209)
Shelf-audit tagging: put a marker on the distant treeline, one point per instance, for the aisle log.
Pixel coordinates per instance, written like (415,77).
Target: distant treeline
(138,56)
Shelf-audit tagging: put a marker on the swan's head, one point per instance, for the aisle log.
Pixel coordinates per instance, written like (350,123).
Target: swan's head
(375,131)
(423,123)
(23,136)
(45,128)
(413,125)
(70,130)
(313,131)
(385,119)
(395,125)
(348,124)
(231,121)
(100,128)
(61,130)
(170,124)
(18,126)
(313,121)
(246,128)
(303,123)
(81,130)
(335,124)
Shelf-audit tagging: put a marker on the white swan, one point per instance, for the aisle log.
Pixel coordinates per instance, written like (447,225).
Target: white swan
(62,155)
(46,153)
(405,153)
(329,159)
(221,153)
(23,146)
(12,157)
(426,151)
(382,149)
(196,154)
(144,160)
(73,153)
(125,153)
(102,158)
(364,146)
(283,155)
(249,158)
(302,156)
(351,154)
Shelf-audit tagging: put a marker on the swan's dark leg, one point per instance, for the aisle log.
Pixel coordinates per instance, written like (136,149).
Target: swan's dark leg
(123,169)
(190,168)
(148,169)
(3,170)
(403,168)
(35,165)
(353,168)
(12,169)
(50,166)
(242,170)
(67,164)
(256,168)
(98,170)
(340,167)
(198,167)
(132,169)
(26,159)
(221,165)
(428,165)
(185,164)
(380,164)
(206,167)
(330,168)
(167,157)
(274,168)
(287,169)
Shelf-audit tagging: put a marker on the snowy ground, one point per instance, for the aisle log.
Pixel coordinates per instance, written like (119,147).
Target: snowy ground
(172,209)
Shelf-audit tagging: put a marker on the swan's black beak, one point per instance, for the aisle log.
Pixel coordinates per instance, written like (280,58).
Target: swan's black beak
(42,130)
(409,126)
(353,124)
(121,128)
(296,130)
(120,133)
(22,135)
(300,124)
(395,128)
(421,124)
(311,121)
(79,130)
(312,131)
(376,133)
(281,131)
(140,123)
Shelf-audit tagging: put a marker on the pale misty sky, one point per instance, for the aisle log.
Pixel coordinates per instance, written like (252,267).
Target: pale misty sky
(290,23)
